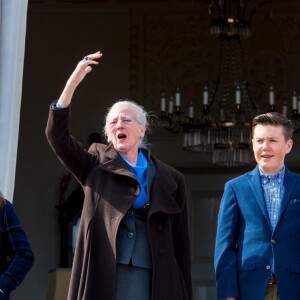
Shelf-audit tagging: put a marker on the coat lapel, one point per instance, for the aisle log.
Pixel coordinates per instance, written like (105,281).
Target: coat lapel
(255,184)
(163,193)
(112,162)
(288,187)
(164,187)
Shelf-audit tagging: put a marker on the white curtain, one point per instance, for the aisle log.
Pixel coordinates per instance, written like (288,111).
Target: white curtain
(13,14)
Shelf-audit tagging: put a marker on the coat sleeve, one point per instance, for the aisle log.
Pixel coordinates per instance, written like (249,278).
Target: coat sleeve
(70,152)
(16,248)
(225,260)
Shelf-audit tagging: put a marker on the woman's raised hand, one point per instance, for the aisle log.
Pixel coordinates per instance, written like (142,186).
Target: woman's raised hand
(82,68)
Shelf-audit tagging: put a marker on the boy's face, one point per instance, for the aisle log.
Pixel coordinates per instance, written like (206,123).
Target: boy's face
(270,148)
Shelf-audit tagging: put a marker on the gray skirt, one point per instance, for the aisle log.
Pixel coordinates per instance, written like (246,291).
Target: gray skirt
(133,283)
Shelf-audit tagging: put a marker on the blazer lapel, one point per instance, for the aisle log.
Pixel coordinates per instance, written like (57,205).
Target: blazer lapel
(288,187)
(255,184)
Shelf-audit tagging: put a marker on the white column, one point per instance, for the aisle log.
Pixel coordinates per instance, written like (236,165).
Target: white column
(13,16)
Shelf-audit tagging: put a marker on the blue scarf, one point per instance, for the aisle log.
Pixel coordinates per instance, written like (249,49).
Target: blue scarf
(140,172)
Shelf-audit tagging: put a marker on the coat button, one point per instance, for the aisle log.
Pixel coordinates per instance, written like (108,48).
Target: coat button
(130,235)
(130,212)
(161,252)
(160,228)
(268,267)
(273,241)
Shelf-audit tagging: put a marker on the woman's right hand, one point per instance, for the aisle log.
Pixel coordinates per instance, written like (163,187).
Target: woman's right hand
(82,68)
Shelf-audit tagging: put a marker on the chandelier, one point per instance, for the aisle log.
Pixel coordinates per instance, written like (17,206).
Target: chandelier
(222,127)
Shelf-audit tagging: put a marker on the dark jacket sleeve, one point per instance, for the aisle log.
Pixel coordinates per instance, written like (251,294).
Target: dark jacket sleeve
(16,255)
(71,153)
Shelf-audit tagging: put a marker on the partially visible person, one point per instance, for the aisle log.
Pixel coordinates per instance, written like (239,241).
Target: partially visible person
(257,254)
(133,240)
(16,256)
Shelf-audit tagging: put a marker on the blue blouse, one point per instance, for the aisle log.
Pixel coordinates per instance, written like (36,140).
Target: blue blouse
(140,172)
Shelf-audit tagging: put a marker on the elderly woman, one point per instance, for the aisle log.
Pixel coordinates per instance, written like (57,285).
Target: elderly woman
(133,240)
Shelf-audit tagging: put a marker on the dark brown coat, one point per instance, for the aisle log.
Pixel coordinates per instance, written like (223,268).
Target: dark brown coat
(110,189)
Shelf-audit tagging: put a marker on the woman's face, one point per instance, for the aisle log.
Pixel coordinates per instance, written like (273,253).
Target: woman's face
(124,130)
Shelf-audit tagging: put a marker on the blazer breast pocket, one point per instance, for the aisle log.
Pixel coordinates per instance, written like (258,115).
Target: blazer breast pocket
(293,211)
(294,202)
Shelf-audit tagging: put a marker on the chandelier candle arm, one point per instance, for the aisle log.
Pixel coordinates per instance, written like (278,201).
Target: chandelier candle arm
(294,99)
(177,97)
(171,105)
(285,109)
(163,103)
(271,96)
(238,95)
(272,99)
(205,96)
(191,111)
